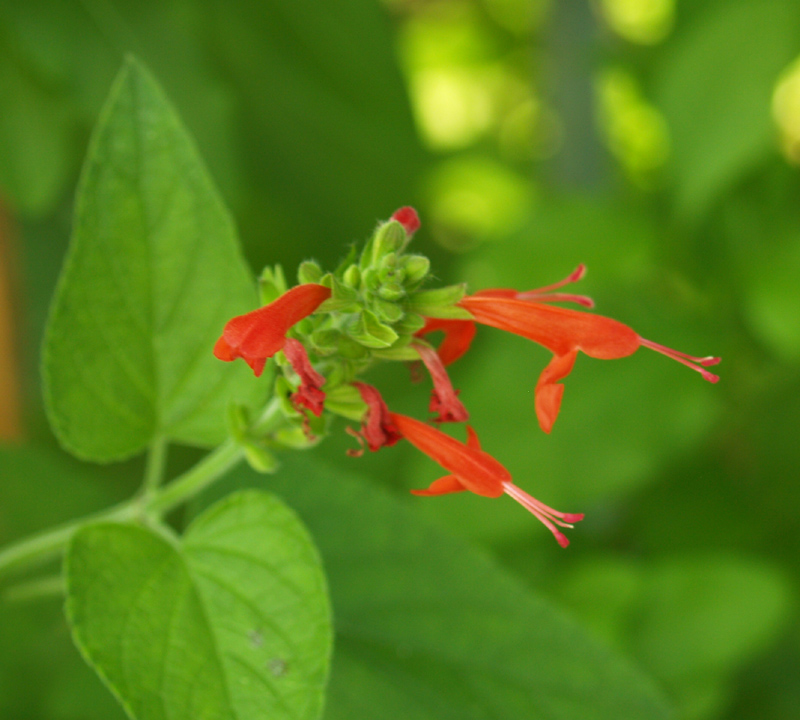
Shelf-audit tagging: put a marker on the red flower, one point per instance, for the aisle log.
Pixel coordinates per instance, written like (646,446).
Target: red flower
(475,470)
(309,395)
(259,334)
(562,331)
(444,399)
(408,218)
(378,429)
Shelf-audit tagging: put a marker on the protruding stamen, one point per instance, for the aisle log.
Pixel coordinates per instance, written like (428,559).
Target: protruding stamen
(583,300)
(545,514)
(690,361)
(574,276)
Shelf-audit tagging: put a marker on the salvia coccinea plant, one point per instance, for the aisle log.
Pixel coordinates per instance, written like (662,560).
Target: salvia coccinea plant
(158,335)
(330,328)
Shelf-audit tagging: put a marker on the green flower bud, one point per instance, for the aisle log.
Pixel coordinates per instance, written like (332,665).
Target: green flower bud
(371,279)
(370,332)
(416,268)
(391,291)
(440,303)
(238,421)
(325,342)
(346,401)
(389,238)
(259,458)
(309,272)
(271,284)
(342,299)
(387,311)
(352,276)
(388,262)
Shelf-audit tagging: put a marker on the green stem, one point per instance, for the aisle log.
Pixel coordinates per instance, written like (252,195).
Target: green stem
(154,470)
(48,545)
(206,472)
(41,588)
(155,501)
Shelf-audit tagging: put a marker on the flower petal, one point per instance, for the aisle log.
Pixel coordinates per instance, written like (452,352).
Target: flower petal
(560,330)
(458,335)
(475,469)
(442,486)
(444,401)
(378,429)
(309,395)
(259,334)
(549,391)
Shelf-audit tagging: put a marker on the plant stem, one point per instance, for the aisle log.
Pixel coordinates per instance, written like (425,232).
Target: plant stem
(41,588)
(209,469)
(155,500)
(154,470)
(48,545)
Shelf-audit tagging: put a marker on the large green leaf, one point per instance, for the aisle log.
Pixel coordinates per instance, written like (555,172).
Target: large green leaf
(152,274)
(231,622)
(429,628)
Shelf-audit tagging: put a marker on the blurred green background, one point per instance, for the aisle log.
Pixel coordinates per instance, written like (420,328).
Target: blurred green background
(658,141)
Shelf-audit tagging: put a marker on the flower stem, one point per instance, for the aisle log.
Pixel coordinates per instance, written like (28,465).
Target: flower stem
(50,586)
(208,470)
(153,502)
(154,470)
(48,545)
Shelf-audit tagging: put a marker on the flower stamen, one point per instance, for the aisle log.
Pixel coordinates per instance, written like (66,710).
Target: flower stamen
(545,514)
(690,361)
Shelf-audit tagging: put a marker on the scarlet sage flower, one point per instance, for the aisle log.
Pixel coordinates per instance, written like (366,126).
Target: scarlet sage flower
(310,394)
(444,399)
(561,330)
(378,429)
(258,335)
(475,470)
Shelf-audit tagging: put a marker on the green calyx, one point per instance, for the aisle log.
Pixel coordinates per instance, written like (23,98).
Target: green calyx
(378,302)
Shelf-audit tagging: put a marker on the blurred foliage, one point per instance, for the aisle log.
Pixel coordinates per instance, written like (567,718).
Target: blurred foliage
(654,140)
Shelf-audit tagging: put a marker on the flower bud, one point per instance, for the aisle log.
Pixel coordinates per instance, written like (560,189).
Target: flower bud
(325,342)
(259,458)
(371,279)
(352,276)
(271,284)
(371,332)
(391,291)
(389,238)
(309,272)
(416,268)
(389,312)
(440,303)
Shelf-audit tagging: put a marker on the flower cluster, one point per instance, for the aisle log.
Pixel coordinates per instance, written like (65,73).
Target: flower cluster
(328,330)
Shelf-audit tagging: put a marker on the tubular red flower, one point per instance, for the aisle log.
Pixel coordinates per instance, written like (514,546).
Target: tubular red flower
(444,399)
(408,218)
(475,470)
(378,429)
(309,395)
(258,335)
(458,335)
(564,332)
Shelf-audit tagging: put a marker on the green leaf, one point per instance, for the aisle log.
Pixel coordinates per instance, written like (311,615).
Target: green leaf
(151,276)
(715,88)
(231,622)
(428,627)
